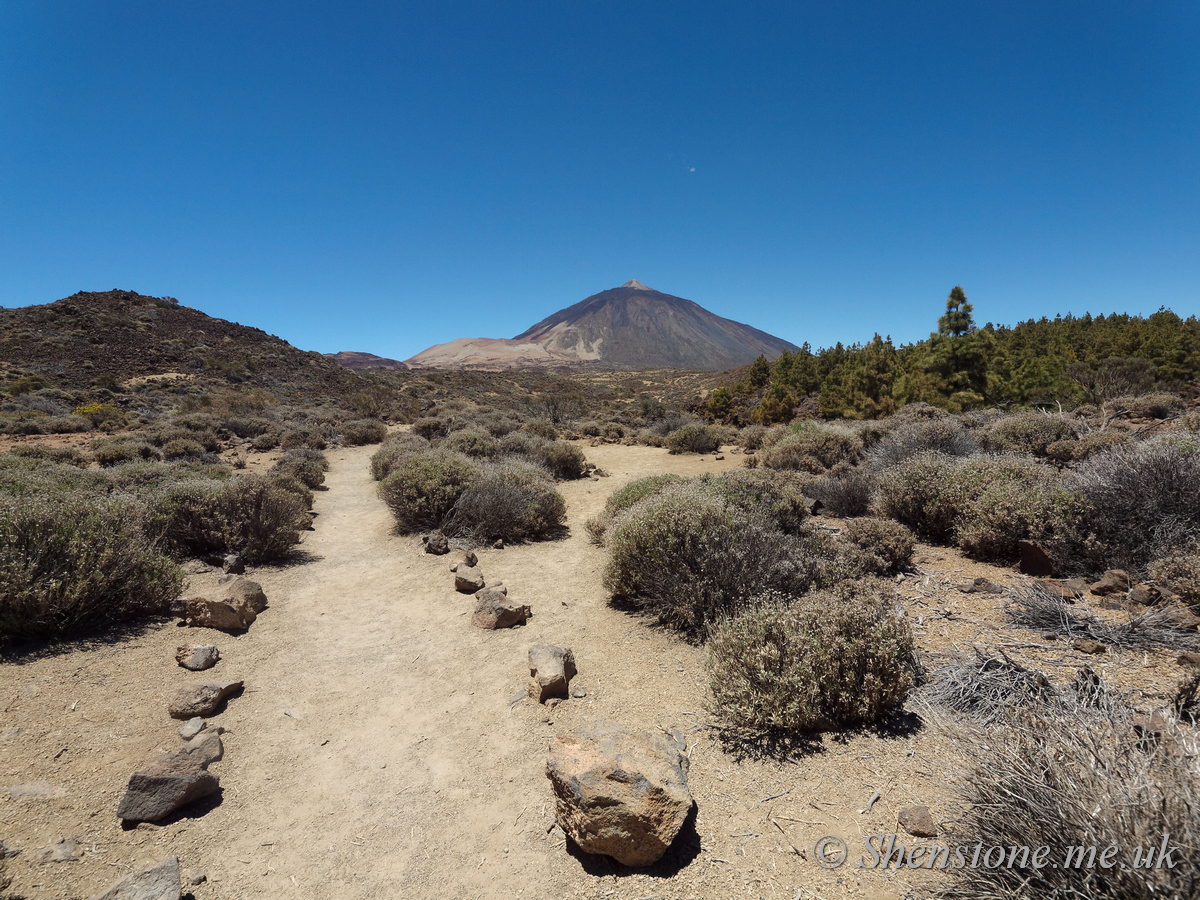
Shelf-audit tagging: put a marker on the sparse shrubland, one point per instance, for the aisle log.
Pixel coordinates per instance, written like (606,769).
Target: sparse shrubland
(511,499)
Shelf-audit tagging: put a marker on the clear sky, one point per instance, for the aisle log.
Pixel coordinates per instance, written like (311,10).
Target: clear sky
(386,176)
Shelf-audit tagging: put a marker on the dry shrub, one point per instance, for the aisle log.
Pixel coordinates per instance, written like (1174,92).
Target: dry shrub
(920,410)
(1141,502)
(986,688)
(73,565)
(431,427)
(68,456)
(693,439)
(889,542)
(1180,574)
(422,488)
(939,435)
(396,447)
(1027,432)
(1158,405)
(181,448)
(512,500)
(813,450)
(310,438)
(541,428)
(521,443)
(363,431)
(688,558)
(306,466)
(564,460)
(984,504)
(473,442)
(1047,779)
(268,440)
(1089,444)
(751,437)
(247,427)
(777,497)
(833,659)
(622,499)
(847,494)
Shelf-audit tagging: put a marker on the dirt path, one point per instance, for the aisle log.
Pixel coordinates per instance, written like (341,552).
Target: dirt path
(377,753)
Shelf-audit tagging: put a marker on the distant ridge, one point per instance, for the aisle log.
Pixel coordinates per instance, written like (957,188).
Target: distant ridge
(351,359)
(630,327)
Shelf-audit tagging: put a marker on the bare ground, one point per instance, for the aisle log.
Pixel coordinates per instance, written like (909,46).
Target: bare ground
(377,751)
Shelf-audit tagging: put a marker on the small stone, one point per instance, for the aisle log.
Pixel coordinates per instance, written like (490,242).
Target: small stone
(468,580)
(1144,594)
(1189,658)
(553,702)
(918,821)
(198,877)
(719,458)
(466,559)
(68,850)
(1114,581)
(436,543)
(157,882)
(233,564)
(191,728)
(578,693)
(205,746)
(200,699)
(551,670)
(1086,645)
(499,545)
(495,610)
(198,658)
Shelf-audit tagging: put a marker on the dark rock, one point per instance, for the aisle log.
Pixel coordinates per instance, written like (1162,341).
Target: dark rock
(233,564)
(200,699)
(1179,616)
(1035,560)
(551,670)
(468,580)
(499,545)
(621,794)
(1087,645)
(1144,594)
(465,560)
(495,610)
(157,882)
(198,658)
(1114,581)
(436,543)
(165,785)
(918,821)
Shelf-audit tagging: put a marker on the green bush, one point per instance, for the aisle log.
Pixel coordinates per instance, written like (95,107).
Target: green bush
(363,431)
(541,428)
(983,504)
(1180,574)
(512,500)
(431,427)
(890,543)
(622,499)
(62,455)
(309,438)
(422,489)
(473,442)
(181,448)
(268,440)
(693,439)
(689,558)
(73,565)
(776,497)
(306,466)
(830,660)
(396,447)
(115,451)
(1028,432)
(812,450)
(565,461)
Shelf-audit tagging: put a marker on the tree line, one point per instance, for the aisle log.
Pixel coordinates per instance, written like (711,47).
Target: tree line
(1069,360)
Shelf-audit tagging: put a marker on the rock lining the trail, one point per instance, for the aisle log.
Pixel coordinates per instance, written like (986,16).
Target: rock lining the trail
(157,882)
(201,699)
(550,672)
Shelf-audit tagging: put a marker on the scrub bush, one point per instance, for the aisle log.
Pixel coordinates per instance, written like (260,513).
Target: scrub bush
(833,659)
(813,450)
(422,488)
(564,460)
(512,500)
(363,431)
(848,494)
(693,439)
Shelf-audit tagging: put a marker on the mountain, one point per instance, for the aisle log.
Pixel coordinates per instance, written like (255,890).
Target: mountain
(105,338)
(629,327)
(352,359)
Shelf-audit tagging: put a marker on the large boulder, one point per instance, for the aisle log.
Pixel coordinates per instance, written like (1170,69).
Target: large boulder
(495,610)
(550,671)
(193,700)
(168,783)
(239,602)
(157,882)
(622,794)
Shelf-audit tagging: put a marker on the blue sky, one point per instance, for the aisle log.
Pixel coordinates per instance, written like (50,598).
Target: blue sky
(386,176)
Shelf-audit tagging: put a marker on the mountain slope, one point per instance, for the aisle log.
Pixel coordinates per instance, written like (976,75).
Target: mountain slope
(631,326)
(103,338)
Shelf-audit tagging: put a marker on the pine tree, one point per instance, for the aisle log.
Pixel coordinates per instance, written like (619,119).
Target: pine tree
(957,321)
